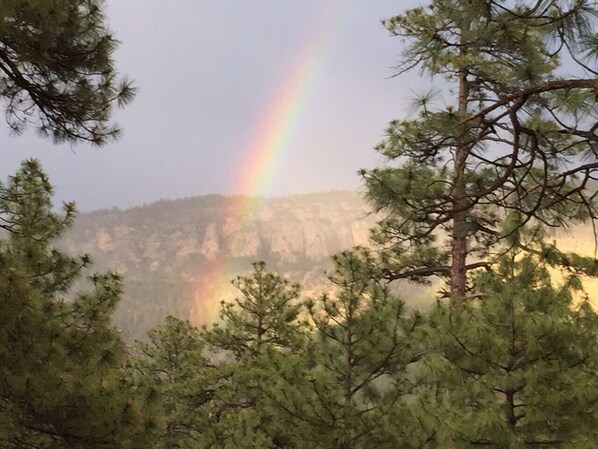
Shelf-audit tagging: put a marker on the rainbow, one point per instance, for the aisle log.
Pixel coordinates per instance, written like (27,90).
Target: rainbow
(261,157)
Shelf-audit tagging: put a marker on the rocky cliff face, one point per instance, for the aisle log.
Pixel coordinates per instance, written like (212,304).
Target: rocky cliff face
(177,256)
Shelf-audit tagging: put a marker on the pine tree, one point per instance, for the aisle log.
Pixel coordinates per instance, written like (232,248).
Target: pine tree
(61,377)
(257,336)
(349,389)
(173,362)
(517,138)
(516,368)
(264,316)
(57,69)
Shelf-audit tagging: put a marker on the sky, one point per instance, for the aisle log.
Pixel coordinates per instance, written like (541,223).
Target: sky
(260,97)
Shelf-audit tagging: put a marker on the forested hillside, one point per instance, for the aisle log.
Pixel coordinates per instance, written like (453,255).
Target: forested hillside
(167,251)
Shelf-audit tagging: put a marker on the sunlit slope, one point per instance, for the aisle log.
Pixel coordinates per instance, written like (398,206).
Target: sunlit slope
(581,240)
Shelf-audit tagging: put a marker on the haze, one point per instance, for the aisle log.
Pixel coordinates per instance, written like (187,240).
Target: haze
(207,72)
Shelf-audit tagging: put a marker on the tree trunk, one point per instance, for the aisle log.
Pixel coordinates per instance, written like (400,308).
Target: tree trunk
(459,231)
(511,418)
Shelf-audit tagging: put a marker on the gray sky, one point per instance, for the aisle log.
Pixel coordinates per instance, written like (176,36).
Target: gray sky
(207,72)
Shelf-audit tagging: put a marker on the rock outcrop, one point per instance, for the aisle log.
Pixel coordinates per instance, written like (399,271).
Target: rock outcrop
(173,253)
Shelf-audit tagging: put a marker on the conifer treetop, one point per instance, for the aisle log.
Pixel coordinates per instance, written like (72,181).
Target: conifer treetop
(57,70)
(515,140)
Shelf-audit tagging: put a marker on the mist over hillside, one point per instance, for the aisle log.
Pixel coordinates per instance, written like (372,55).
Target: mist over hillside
(177,257)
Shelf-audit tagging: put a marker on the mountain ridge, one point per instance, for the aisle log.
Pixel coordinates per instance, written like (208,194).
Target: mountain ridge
(177,257)
(166,251)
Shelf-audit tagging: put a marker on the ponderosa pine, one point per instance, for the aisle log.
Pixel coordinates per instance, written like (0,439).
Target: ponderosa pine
(62,381)
(173,362)
(257,335)
(515,367)
(348,389)
(57,69)
(516,140)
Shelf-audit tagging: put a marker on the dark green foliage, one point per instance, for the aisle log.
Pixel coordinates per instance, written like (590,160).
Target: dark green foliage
(357,373)
(57,69)
(61,380)
(517,133)
(261,378)
(517,367)
(173,363)
(259,334)
(511,360)
(262,319)
(513,367)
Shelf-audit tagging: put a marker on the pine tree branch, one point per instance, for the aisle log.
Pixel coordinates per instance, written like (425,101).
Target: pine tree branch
(443,270)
